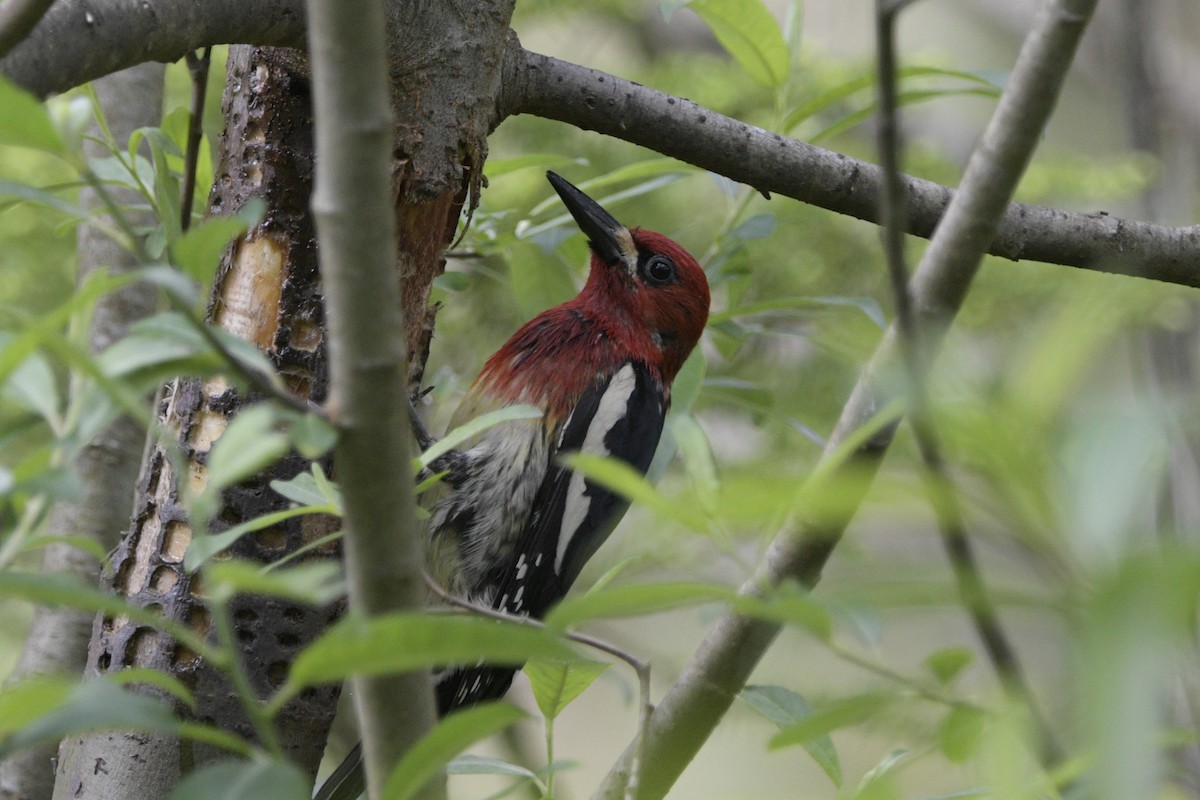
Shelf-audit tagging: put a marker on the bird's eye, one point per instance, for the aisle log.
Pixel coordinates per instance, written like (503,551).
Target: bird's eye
(658,270)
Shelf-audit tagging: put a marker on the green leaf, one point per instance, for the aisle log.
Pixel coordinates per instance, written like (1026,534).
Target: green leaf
(469,764)
(152,677)
(94,706)
(316,583)
(946,664)
(960,733)
(22,703)
(32,385)
(469,430)
(637,171)
(249,445)
(628,482)
(162,341)
(556,683)
(175,283)
(202,548)
(244,780)
(879,775)
(118,170)
(448,738)
(66,590)
(25,121)
(786,708)
(688,382)
(839,714)
(198,251)
(84,544)
(634,600)
(748,31)
(791,605)
(406,641)
(312,436)
(497,167)
(311,489)
(31,194)
(698,459)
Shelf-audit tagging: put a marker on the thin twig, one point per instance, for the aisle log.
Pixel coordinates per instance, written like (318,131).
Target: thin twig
(642,668)
(198,69)
(942,494)
(917,687)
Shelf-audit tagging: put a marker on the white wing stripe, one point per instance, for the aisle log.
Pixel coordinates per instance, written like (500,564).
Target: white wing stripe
(613,406)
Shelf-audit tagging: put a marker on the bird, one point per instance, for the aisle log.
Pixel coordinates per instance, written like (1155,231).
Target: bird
(510,524)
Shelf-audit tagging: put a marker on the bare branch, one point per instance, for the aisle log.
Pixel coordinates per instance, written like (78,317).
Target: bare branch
(17,19)
(593,100)
(198,69)
(719,668)
(81,40)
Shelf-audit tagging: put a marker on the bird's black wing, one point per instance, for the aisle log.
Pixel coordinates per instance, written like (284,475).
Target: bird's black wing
(621,417)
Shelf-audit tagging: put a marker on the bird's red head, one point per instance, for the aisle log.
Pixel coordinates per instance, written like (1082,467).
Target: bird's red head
(646,288)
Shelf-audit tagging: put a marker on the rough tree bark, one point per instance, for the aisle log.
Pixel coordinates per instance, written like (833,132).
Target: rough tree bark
(107,467)
(266,292)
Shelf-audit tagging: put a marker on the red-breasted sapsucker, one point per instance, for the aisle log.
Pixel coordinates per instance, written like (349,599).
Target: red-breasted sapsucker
(516,526)
(510,525)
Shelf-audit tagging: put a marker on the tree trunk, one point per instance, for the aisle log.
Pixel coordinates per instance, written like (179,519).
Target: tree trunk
(107,467)
(266,292)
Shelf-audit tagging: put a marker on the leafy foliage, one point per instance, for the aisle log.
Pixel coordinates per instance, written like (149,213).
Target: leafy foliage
(1065,456)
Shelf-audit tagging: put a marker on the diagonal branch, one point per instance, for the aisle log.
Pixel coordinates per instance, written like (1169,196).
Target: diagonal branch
(942,493)
(722,664)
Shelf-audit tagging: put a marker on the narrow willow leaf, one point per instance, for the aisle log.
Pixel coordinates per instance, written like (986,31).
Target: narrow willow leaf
(32,385)
(746,29)
(467,431)
(82,543)
(25,121)
(94,706)
(307,490)
(839,714)
(497,167)
(634,600)
(948,663)
(315,584)
(22,703)
(556,683)
(470,764)
(627,482)
(791,606)
(449,737)
(786,708)
(152,677)
(202,548)
(244,780)
(312,436)
(404,642)
(199,249)
(698,459)
(960,733)
(880,773)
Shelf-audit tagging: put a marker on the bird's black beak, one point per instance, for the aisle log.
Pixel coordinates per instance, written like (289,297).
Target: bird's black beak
(609,239)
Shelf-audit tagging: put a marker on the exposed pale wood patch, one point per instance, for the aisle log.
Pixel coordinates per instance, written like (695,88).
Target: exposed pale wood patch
(250,294)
